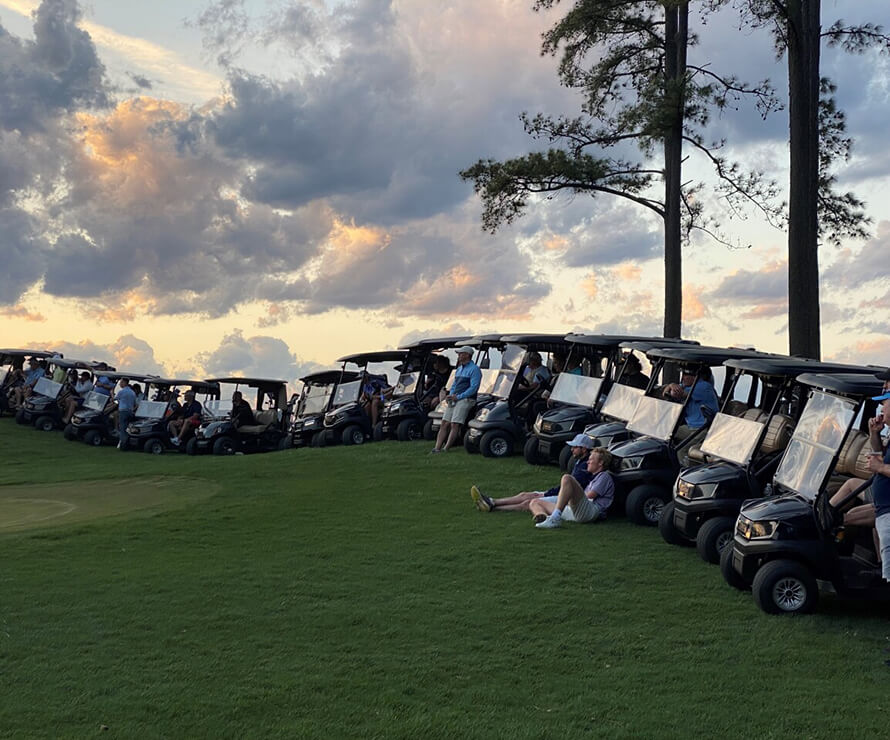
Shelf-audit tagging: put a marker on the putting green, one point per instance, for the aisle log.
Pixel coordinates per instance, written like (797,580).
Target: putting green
(59,504)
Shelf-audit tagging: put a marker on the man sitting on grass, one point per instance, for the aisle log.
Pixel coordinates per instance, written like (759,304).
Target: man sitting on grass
(581,446)
(587,504)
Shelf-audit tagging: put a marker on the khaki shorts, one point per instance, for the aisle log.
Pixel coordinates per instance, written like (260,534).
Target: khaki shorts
(459,411)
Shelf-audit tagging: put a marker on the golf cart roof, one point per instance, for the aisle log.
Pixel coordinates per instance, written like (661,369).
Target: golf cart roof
(622,340)
(387,355)
(783,365)
(249,382)
(478,340)
(702,355)
(436,343)
(864,385)
(62,362)
(199,386)
(7,355)
(645,345)
(326,377)
(539,342)
(115,375)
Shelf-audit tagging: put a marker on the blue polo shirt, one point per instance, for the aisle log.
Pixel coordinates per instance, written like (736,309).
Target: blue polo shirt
(467,379)
(579,472)
(703,394)
(126,399)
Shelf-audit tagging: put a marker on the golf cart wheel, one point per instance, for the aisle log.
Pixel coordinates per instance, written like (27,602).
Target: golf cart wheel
(353,435)
(191,447)
(730,574)
(224,446)
(93,437)
(496,444)
(530,451)
(714,536)
(377,432)
(153,446)
(69,432)
(408,430)
(286,442)
(565,460)
(20,416)
(45,424)
(428,433)
(645,504)
(318,440)
(667,529)
(785,587)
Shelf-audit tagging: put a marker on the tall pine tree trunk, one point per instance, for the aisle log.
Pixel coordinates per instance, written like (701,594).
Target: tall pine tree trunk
(803,223)
(676,34)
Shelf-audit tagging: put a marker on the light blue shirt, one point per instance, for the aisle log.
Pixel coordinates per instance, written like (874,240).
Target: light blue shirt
(703,394)
(126,399)
(467,379)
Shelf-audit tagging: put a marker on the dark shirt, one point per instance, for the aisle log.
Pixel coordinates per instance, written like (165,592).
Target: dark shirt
(189,410)
(579,473)
(880,488)
(637,380)
(242,414)
(437,382)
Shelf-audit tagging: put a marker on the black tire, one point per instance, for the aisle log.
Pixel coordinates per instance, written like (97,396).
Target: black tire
(318,440)
(428,433)
(286,442)
(20,416)
(645,503)
(70,432)
(714,535)
(730,574)
(565,460)
(352,435)
(44,424)
(93,437)
(469,446)
(496,444)
(669,532)
(377,432)
(530,451)
(785,587)
(153,446)
(191,447)
(224,446)
(409,430)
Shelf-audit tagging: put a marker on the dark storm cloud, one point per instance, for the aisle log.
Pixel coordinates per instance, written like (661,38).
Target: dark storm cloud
(852,269)
(618,234)
(258,356)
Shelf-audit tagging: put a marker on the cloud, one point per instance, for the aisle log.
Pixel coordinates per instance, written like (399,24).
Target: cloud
(127,353)
(764,292)
(257,356)
(21,313)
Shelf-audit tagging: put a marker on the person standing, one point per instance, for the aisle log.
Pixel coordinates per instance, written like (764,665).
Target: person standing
(461,398)
(879,465)
(126,410)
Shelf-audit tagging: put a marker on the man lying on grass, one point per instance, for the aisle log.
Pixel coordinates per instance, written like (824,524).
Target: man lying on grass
(581,446)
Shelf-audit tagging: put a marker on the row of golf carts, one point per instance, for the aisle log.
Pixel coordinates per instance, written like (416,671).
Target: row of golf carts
(750,489)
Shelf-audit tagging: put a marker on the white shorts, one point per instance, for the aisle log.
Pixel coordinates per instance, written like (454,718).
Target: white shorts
(882,525)
(588,511)
(459,411)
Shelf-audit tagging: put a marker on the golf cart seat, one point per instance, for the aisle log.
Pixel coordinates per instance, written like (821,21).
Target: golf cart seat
(778,434)
(754,415)
(853,456)
(264,419)
(736,408)
(695,453)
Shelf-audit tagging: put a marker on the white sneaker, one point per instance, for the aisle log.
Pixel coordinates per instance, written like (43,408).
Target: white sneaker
(174,441)
(549,523)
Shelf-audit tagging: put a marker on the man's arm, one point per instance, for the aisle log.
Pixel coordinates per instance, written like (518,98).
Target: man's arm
(475,382)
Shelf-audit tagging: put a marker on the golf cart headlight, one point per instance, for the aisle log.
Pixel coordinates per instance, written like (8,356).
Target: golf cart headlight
(394,407)
(134,431)
(482,415)
(632,463)
(763,530)
(441,407)
(685,489)
(308,423)
(538,425)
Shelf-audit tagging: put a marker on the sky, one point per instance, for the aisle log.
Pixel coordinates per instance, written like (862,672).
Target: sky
(253,187)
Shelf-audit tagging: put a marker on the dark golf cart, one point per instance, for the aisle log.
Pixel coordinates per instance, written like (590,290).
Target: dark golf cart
(740,452)
(501,426)
(315,399)
(646,466)
(404,415)
(148,430)
(45,408)
(483,344)
(577,398)
(347,422)
(12,361)
(217,433)
(786,547)
(94,422)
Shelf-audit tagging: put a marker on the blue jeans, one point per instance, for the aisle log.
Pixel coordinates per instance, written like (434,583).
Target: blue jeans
(124,418)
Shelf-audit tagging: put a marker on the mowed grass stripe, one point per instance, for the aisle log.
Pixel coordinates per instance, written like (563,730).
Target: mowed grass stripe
(355,592)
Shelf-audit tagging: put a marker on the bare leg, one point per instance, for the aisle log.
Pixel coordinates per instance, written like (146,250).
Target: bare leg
(860,516)
(845,490)
(519,498)
(443,434)
(569,490)
(452,436)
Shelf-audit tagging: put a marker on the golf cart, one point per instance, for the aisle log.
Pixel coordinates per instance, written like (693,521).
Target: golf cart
(501,426)
(483,344)
(148,430)
(404,415)
(95,422)
(44,408)
(645,467)
(347,421)
(12,362)
(786,547)
(314,401)
(577,398)
(219,435)
(741,451)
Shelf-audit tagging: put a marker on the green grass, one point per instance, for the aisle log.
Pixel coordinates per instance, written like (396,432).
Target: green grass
(355,592)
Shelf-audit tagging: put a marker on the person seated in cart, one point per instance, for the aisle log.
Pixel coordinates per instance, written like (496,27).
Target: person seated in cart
(82,386)
(185,419)
(242,414)
(436,382)
(36,370)
(581,446)
(375,390)
(703,404)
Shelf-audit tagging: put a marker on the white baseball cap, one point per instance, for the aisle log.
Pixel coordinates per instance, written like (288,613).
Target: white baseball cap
(581,440)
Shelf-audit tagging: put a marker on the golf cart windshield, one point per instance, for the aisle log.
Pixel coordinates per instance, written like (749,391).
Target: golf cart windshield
(655,417)
(347,393)
(48,388)
(511,360)
(4,371)
(576,389)
(151,409)
(489,378)
(732,438)
(218,408)
(315,399)
(817,439)
(95,401)
(407,384)
(621,401)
